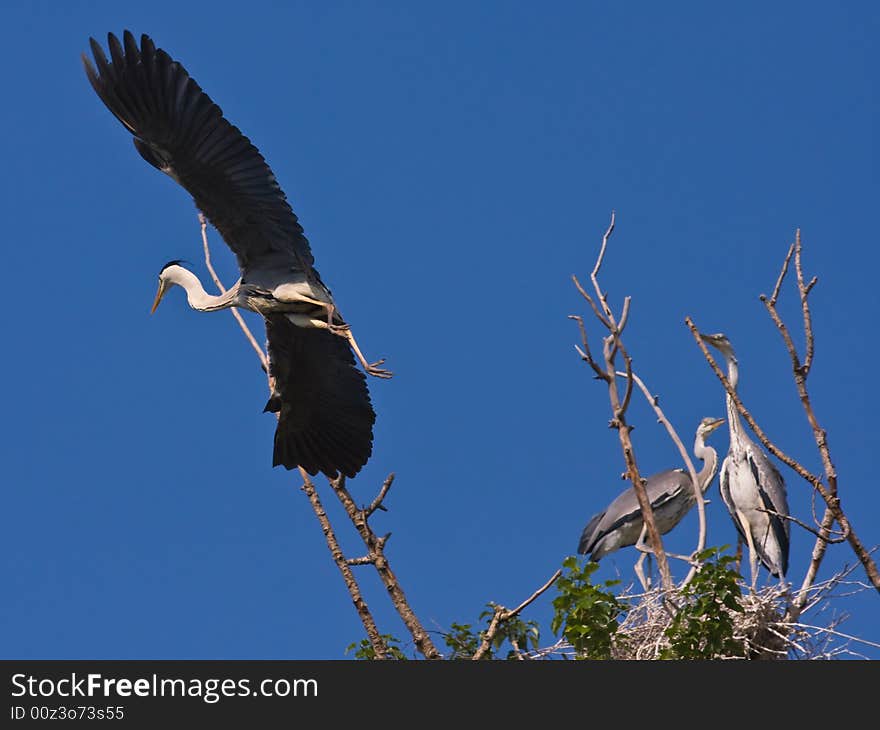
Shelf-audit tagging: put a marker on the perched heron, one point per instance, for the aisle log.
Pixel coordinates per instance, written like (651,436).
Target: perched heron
(751,487)
(325,417)
(671,494)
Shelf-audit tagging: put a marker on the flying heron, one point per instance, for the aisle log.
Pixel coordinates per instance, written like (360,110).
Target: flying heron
(325,417)
(671,495)
(751,487)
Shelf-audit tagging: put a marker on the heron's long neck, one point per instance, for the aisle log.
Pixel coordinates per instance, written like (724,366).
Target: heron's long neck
(732,414)
(196,295)
(710,462)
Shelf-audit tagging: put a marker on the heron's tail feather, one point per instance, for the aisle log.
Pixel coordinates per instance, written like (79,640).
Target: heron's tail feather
(325,418)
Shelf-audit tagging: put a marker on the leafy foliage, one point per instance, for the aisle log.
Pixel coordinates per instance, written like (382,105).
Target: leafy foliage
(513,631)
(365,649)
(703,626)
(462,640)
(586,614)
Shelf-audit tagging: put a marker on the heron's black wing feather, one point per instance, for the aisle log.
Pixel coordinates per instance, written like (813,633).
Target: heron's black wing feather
(325,418)
(771,489)
(180,131)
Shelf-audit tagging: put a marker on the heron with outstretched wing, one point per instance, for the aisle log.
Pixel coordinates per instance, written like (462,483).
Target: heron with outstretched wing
(325,416)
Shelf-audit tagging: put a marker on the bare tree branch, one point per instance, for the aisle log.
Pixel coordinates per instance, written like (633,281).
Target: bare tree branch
(380,498)
(359,518)
(264,361)
(360,605)
(503,614)
(653,400)
(800,372)
(612,346)
(376,551)
(827,489)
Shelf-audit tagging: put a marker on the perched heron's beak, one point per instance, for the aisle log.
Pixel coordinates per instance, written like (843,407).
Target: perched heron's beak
(715,424)
(163,287)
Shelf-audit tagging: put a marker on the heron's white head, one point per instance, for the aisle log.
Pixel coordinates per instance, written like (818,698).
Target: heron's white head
(720,342)
(168,277)
(707,425)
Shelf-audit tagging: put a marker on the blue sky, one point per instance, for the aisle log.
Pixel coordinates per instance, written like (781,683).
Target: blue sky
(452,164)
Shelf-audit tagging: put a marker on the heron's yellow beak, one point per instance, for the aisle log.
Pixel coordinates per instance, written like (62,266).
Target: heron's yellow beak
(163,287)
(715,424)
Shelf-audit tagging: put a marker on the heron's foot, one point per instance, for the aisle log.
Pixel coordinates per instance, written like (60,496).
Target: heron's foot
(343,330)
(371,368)
(377,372)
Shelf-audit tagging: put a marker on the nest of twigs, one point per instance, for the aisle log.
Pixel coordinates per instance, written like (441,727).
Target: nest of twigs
(770,626)
(761,626)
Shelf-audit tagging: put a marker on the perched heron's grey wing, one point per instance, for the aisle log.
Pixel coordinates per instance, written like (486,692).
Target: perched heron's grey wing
(325,418)
(590,535)
(724,488)
(771,488)
(661,488)
(180,131)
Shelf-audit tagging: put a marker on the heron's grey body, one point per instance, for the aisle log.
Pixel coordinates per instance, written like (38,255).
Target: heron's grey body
(325,416)
(671,495)
(751,487)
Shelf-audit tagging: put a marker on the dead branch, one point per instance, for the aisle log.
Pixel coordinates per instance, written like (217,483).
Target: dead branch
(359,517)
(377,503)
(264,361)
(376,551)
(360,605)
(653,400)
(800,371)
(826,488)
(612,345)
(503,614)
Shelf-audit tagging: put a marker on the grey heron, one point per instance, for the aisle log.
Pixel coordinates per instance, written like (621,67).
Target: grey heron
(671,494)
(325,416)
(752,488)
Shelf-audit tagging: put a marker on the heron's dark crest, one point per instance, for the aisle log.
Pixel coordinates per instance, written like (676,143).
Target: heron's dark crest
(174,262)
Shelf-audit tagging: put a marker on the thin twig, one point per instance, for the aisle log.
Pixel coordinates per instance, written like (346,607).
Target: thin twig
(612,345)
(835,633)
(376,549)
(264,361)
(775,295)
(351,583)
(804,291)
(692,472)
(592,303)
(585,353)
(380,498)
(375,544)
(594,275)
(800,372)
(503,614)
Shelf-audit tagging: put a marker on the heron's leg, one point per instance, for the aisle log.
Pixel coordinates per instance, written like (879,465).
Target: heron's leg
(640,573)
(370,368)
(645,551)
(753,554)
(343,330)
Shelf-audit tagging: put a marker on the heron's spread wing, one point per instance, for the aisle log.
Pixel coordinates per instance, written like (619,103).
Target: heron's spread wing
(325,418)
(180,131)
